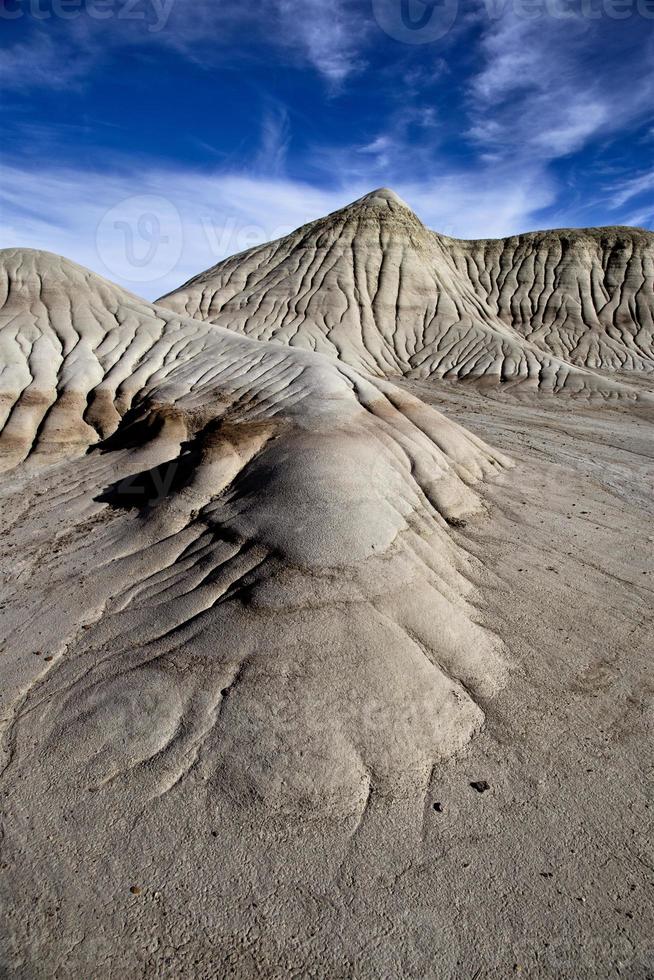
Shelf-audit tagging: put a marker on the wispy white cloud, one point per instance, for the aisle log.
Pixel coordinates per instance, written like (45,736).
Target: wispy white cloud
(632,188)
(275,140)
(487,203)
(539,95)
(152,229)
(641,219)
(39,61)
(408,143)
(327,36)
(330,35)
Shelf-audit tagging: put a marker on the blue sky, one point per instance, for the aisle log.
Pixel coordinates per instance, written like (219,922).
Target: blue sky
(147,139)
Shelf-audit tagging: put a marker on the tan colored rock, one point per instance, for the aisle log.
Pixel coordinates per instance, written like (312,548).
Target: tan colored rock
(372,286)
(262,535)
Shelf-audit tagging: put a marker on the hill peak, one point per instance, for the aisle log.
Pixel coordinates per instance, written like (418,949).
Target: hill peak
(382,195)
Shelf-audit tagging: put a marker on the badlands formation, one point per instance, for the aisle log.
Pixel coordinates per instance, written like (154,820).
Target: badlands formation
(374,287)
(315,660)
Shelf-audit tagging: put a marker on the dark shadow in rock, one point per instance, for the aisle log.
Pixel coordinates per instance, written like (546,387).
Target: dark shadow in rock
(150,487)
(142,424)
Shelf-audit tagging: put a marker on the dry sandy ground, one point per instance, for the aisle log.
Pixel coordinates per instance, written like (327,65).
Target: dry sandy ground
(547,873)
(551,871)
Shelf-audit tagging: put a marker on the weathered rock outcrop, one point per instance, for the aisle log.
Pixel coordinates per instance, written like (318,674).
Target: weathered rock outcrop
(248,583)
(372,286)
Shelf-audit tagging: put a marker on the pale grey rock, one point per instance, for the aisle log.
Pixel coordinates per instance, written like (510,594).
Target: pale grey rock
(372,286)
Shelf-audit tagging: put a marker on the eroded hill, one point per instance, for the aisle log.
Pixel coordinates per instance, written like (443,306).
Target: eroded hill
(242,659)
(374,287)
(250,575)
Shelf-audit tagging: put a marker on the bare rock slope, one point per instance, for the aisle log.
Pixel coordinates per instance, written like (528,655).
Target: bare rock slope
(227,573)
(371,285)
(241,661)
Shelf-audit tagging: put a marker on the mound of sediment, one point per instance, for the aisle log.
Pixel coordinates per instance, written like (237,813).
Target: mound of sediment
(247,589)
(374,287)
(238,644)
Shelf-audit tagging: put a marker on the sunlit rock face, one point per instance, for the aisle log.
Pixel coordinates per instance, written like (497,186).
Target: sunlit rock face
(372,286)
(229,566)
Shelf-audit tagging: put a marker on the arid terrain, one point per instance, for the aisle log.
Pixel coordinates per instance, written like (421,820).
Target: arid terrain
(326,610)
